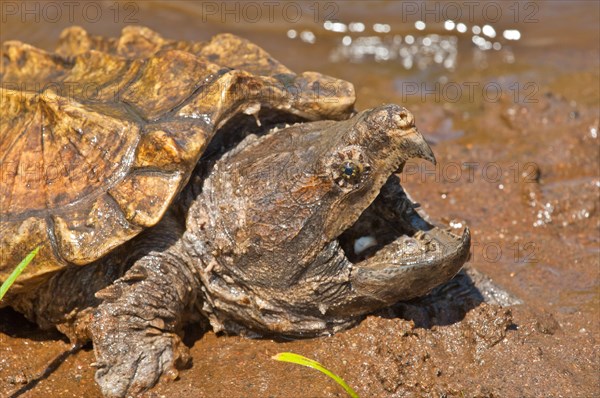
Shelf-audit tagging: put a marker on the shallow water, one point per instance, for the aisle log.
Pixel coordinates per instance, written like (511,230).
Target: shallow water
(515,131)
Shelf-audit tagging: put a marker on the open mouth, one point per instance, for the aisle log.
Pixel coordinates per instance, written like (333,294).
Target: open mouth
(392,220)
(396,253)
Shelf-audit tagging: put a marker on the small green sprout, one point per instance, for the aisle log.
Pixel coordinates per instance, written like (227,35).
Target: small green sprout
(17,271)
(301,360)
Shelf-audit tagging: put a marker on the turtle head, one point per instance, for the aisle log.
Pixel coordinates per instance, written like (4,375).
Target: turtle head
(307,229)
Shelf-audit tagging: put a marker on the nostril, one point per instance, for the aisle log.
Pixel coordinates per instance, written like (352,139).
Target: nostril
(404,119)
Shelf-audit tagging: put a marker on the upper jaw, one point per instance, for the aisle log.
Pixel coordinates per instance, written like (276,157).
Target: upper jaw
(387,137)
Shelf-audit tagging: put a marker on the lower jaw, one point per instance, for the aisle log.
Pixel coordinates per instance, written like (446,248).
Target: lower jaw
(406,256)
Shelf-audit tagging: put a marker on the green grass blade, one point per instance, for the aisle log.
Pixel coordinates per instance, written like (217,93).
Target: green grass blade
(301,360)
(17,271)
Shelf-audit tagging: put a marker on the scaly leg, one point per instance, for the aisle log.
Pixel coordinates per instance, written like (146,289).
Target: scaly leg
(136,328)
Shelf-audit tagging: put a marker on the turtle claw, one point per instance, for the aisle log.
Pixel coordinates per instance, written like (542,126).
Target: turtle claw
(134,329)
(131,357)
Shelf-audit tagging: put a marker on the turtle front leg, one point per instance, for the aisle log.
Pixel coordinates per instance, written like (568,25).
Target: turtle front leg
(136,328)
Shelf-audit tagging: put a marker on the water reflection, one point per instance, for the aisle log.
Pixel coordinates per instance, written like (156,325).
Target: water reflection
(410,51)
(429,45)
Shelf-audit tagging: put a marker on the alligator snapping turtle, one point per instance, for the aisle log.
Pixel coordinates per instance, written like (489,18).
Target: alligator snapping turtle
(299,232)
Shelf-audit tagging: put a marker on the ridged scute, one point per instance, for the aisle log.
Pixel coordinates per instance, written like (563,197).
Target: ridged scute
(98,137)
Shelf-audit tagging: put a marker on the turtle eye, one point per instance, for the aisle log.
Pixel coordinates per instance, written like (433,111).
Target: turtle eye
(349,167)
(350,170)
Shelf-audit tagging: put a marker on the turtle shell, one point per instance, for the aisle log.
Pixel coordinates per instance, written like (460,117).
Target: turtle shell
(98,137)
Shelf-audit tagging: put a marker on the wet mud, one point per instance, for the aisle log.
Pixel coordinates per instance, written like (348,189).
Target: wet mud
(521,169)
